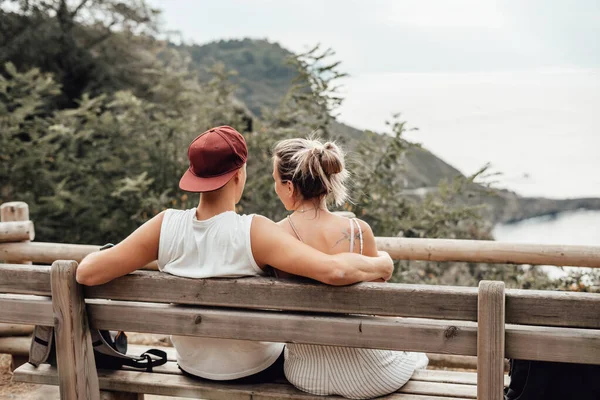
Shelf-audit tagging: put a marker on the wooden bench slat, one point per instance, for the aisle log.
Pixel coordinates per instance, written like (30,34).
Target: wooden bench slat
(525,342)
(553,344)
(432,375)
(454,303)
(553,308)
(465,378)
(531,307)
(425,375)
(358,331)
(19,309)
(451,337)
(423,301)
(439,389)
(179,385)
(24,279)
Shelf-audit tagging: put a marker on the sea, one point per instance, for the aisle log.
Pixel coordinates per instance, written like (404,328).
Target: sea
(538,130)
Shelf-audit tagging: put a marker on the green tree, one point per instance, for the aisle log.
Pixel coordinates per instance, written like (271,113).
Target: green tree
(90,46)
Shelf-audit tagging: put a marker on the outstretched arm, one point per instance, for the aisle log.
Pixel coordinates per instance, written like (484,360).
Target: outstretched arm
(137,250)
(271,245)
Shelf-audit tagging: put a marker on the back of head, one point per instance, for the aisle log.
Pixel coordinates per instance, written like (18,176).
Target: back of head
(215,156)
(316,169)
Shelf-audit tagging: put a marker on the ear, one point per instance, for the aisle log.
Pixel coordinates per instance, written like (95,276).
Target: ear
(290,188)
(238,175)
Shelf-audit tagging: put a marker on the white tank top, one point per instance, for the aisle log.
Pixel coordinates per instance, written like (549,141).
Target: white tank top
(216,247)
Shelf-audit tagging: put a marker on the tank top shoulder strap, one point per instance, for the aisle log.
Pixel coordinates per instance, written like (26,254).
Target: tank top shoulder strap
(294,229)
(351,235)
(354,221)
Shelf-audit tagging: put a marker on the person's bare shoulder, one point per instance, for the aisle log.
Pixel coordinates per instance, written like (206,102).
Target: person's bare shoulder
(282,222)
(285,224)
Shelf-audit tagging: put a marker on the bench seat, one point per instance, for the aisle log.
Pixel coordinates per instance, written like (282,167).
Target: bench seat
(168,380)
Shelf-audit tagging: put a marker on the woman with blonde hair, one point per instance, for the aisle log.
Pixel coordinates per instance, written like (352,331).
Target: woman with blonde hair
(308,174)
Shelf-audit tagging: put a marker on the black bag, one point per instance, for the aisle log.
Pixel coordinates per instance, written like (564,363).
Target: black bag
(110,350)
(537,380)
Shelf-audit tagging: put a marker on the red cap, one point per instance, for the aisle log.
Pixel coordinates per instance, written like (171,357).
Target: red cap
(215,156)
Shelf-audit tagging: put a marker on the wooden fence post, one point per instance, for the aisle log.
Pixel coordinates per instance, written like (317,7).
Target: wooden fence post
(15,211)
(490,341)
(77,373)
(12,212)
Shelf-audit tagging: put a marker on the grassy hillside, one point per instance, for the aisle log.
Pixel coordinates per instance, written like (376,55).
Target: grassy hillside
(263,75)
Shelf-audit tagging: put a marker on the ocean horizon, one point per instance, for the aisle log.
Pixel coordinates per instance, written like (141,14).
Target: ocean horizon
(537,128)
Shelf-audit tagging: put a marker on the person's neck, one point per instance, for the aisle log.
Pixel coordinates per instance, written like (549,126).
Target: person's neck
(211,205)
(306,206)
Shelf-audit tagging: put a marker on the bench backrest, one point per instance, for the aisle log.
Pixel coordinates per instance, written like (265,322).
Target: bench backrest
(426,318)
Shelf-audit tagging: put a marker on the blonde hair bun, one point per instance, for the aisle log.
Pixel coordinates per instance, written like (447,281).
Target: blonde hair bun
(316,169)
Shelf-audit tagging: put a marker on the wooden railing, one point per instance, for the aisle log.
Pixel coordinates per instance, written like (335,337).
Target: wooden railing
(478,251)
(492,252)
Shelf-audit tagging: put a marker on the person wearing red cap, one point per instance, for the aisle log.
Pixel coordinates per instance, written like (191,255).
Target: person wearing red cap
(212,240)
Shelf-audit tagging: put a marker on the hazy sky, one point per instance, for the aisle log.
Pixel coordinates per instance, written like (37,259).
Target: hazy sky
(515,83)
(378,36)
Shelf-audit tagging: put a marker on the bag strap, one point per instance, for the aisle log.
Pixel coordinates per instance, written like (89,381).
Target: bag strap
(148,360)
(42,342)
(145,360)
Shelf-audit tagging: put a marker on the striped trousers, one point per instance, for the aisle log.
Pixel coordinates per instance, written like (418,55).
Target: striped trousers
(350,372)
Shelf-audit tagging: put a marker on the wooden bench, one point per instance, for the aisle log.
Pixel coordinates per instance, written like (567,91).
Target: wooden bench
(540,325)
(456,321)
